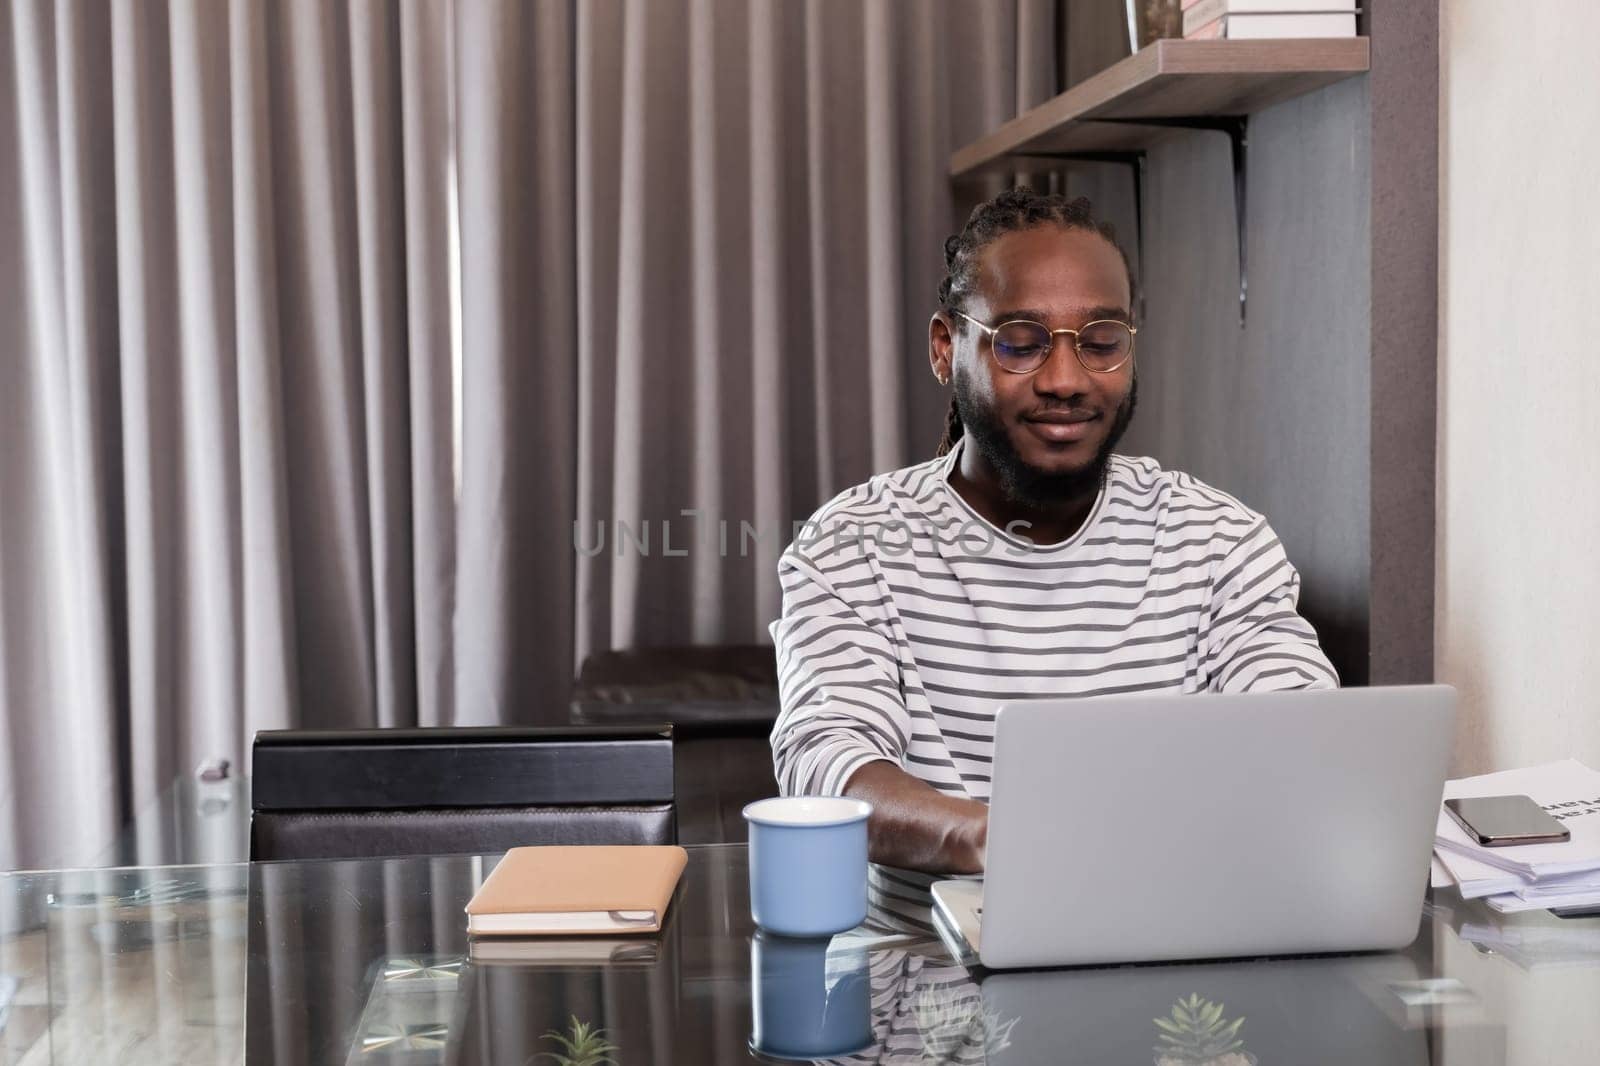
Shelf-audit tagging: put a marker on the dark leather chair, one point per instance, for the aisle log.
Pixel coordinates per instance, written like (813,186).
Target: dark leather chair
(721,702)
(385,792)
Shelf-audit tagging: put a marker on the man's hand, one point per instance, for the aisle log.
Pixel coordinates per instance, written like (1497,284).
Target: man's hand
(916,827)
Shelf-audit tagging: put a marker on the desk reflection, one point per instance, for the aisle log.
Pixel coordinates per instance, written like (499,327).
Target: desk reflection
(570,1001)
(369,962)
(924,1007)
(1304,1011)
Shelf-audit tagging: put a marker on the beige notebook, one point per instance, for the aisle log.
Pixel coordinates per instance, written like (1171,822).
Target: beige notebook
(576,890)
(567,950)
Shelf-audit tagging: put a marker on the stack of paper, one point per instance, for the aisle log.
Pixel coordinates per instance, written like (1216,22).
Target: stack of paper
(1527,876)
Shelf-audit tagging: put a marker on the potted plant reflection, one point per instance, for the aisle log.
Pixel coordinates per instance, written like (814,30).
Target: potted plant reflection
(1198,1033)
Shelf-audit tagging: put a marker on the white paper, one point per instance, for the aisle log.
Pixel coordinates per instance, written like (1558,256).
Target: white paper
(1568,789)
(1477,879)
(1474,879)
(1511,904)
(1560,887)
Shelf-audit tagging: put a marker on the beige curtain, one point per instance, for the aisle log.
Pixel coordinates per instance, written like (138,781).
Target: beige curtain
(241,486)
(224,391)
(700,241)
(760,206)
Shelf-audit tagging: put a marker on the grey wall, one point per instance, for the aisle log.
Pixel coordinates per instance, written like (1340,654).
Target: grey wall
(1276,413)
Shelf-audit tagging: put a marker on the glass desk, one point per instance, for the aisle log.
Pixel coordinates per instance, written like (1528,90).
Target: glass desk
(368,962)
(192,822)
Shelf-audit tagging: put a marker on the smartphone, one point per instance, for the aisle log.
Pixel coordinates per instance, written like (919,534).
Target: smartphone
(1500,821)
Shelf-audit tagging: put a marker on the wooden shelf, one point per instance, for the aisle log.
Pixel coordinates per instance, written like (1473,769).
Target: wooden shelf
(1168,79)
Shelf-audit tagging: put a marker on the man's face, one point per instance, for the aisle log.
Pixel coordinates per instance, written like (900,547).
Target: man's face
(1049,433)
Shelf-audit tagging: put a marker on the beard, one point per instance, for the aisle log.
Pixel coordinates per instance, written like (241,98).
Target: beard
(1026,485)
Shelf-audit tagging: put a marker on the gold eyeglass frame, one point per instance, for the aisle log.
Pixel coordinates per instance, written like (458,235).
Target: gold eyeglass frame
(1133,338)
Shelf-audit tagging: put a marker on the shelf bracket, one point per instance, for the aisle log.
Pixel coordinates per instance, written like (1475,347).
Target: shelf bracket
(1237,127)
(1134,161)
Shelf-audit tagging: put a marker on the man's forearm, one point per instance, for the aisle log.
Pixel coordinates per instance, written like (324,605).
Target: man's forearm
(916,827)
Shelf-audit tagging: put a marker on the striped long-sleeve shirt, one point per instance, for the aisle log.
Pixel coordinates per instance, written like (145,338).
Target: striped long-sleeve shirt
(907,618)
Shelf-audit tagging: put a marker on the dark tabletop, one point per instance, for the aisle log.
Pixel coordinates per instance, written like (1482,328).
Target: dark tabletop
(368,962)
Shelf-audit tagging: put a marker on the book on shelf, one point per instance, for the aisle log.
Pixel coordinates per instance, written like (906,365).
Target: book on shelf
(1274,27)
(1196,12)
(1258,19)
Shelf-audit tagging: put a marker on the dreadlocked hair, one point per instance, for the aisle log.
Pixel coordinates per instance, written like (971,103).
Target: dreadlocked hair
(1012,210)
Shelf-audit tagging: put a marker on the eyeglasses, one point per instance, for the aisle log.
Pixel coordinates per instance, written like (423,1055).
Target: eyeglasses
(1021,346)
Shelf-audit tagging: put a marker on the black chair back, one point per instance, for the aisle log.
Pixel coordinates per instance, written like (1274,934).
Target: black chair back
(384,792)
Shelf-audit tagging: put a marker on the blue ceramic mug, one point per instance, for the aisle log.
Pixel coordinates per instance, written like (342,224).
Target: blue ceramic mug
(808,864)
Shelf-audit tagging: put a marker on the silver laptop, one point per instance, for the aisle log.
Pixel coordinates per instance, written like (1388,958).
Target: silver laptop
(1146,828)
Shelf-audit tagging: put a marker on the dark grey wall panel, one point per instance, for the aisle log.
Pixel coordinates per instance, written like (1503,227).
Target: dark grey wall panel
(1276,413)
(1405,343)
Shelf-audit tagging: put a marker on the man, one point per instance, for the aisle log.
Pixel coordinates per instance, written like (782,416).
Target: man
(1026,561)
